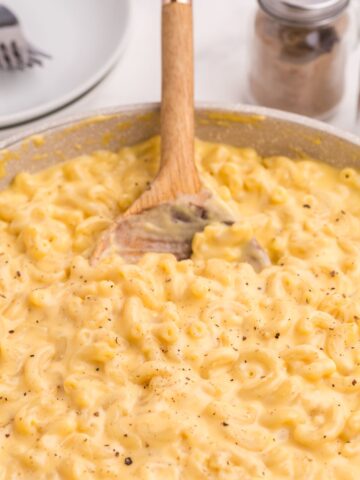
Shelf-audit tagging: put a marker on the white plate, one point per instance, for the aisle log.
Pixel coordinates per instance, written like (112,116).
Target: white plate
(84,37)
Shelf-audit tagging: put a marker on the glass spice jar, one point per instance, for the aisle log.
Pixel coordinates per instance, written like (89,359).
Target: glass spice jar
(299,56)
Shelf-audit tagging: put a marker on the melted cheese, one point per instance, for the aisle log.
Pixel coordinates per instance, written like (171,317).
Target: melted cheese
(169,370)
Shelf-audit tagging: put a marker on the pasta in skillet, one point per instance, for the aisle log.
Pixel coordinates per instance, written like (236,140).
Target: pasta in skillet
(167,370)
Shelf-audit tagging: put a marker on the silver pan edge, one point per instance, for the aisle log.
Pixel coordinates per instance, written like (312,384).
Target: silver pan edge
(270,132)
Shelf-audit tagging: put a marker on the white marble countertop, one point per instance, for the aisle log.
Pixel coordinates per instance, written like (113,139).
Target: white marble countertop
(221,39)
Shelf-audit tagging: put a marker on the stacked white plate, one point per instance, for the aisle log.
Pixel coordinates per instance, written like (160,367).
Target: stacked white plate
(84,38)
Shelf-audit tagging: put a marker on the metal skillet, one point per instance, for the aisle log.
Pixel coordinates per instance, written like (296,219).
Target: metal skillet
(270,132)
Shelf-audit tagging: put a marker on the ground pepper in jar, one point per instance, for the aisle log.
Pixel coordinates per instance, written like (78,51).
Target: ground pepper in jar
(299,56)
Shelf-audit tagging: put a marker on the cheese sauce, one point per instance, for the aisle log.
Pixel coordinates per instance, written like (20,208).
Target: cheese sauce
(167,370)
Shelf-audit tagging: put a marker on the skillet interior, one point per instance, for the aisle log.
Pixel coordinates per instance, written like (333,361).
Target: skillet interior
(270,132)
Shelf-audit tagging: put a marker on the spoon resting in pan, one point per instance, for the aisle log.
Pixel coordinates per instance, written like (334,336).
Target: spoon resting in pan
(165,217)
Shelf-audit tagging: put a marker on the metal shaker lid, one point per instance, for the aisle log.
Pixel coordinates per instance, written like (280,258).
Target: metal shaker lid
(304,12)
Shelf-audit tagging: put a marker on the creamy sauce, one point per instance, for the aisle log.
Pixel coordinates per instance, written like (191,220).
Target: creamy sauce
(168,370)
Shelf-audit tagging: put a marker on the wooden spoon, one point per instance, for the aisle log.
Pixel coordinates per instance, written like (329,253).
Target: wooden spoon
(166,216)
(177,174)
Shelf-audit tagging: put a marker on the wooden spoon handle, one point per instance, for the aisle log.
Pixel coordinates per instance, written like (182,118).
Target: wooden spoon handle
(177,174)
(177,108)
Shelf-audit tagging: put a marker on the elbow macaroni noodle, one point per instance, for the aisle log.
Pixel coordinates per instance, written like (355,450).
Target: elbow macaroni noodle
(169,370)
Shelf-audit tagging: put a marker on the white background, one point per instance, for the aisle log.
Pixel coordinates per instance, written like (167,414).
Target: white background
(222,39)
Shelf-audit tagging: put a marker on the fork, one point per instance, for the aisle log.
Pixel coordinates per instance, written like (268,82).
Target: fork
(15,52)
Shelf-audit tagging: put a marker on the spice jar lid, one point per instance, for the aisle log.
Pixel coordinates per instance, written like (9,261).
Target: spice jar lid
(304,12)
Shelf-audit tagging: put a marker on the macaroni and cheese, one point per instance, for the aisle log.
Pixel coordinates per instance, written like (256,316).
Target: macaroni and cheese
(166,370)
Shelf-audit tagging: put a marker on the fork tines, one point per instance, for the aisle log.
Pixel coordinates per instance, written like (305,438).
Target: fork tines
(11,57)
(14,58)
(15,52)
